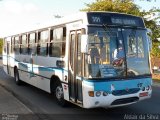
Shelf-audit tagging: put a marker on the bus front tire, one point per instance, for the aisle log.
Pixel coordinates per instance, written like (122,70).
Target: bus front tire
(16,77)
(59,94)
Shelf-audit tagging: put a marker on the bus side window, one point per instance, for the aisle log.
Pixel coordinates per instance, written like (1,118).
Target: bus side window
(31,43)
(57,43)
(24,44)
(51,43)
(12,44)
(38,44)
(42,43)
(16,45)
(20,44)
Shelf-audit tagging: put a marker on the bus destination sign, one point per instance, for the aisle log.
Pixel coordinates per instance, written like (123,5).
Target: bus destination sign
(122,21)
(115,19)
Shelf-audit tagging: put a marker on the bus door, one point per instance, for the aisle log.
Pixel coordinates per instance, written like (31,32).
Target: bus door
(75,67)
(8,57)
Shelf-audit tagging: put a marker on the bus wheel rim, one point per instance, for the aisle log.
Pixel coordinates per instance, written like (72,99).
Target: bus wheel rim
(59,92)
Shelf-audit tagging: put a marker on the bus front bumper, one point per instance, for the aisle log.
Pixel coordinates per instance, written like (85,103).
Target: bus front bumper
(101,98)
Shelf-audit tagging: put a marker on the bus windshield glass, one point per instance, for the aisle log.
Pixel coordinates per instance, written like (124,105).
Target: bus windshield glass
(117,52)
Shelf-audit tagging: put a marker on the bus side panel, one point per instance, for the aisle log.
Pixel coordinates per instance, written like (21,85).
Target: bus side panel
(13,62)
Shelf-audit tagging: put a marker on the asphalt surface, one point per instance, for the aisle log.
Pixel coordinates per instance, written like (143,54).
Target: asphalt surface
(9,104)
(43,105)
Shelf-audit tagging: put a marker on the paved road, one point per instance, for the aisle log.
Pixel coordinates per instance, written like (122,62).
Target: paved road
(43,105)
(9,104)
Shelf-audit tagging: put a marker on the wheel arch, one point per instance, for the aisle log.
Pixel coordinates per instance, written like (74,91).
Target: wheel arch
(54,79)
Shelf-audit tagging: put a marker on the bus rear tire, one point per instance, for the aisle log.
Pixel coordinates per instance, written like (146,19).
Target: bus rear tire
(16,77)
(59,94)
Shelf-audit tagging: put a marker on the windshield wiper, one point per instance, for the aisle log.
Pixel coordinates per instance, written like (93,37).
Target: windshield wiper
(107,29)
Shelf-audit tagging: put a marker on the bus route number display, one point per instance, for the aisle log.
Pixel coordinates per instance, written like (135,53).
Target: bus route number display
(96,19)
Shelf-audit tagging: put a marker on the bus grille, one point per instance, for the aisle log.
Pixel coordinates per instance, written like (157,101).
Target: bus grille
(125,101)
(125,92)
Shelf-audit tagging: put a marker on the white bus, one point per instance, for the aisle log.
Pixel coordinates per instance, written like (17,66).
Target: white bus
(92,59)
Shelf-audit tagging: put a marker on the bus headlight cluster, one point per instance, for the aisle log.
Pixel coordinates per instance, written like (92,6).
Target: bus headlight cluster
(146,88)
(105,93)
(97,93)
(143,88)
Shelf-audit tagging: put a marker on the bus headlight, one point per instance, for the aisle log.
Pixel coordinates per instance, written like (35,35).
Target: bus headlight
(143,88)
(148,88)
(98,93)
(105,93)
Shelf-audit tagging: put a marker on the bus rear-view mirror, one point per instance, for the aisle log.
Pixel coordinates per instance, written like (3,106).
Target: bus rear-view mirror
(84,43)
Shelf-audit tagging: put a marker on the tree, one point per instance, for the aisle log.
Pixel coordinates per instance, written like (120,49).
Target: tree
(129,7)
(124,6)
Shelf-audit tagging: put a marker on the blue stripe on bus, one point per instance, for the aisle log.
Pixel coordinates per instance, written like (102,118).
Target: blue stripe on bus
(48,69)
(23,65)
(27,66)
(119,85)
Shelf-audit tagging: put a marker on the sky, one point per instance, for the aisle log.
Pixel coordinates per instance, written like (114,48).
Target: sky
(22,15)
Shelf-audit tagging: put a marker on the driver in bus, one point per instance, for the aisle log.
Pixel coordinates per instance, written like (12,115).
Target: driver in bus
(94,56)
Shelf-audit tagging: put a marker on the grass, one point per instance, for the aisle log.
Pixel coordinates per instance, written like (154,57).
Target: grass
(156,80)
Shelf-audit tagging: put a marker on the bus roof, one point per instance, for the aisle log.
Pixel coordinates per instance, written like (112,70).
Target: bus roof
(87,19)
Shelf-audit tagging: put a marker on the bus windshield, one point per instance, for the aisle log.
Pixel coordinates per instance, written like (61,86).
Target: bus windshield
(117,52)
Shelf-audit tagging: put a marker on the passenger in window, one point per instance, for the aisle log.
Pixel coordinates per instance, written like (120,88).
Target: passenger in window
(132,45)
(118,55)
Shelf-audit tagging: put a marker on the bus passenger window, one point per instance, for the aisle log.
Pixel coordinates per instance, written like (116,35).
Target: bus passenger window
(24,45)
(16,45)
(12,44)
(57,44)
(31,43)
(42,43)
